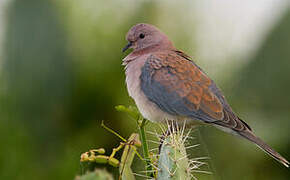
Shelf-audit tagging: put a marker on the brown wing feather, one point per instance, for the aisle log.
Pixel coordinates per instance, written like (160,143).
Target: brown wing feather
(182,76)
(188,81)
(175,71)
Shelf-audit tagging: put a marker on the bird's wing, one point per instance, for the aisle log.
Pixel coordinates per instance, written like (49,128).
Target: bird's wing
(179,87)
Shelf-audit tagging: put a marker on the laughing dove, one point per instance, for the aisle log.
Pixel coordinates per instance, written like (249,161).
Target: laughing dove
(167,85)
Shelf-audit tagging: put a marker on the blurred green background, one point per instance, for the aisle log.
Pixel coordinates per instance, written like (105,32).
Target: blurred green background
(61,75)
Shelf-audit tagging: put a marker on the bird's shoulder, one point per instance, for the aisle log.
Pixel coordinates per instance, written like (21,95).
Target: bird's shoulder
(174,64)
(171,58)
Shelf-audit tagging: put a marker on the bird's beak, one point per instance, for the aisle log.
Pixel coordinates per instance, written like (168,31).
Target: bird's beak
(127,46)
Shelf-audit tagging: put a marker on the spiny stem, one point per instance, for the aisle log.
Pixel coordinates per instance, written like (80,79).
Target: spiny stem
(145,147)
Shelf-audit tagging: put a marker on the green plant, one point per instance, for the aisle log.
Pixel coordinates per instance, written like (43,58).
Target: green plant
(171,162)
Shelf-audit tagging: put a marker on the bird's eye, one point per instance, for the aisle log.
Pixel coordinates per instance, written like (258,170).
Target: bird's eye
(141,35)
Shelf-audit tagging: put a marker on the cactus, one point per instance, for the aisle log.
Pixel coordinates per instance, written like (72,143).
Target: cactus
(173,162)
(98,174)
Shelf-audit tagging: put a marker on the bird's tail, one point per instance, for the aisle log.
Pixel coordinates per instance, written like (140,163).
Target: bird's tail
(250,136)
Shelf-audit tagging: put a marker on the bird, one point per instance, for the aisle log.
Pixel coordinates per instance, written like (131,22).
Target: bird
(166,84)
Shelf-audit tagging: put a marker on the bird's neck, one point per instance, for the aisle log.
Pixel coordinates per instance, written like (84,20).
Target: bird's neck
(156,47)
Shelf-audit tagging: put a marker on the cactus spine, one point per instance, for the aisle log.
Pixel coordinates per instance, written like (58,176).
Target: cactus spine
(173,162)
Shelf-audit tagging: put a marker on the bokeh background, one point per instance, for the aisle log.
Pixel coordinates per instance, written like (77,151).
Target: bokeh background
(61,75)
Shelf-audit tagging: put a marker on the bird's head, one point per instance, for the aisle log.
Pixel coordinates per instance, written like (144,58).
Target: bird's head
(144,36)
